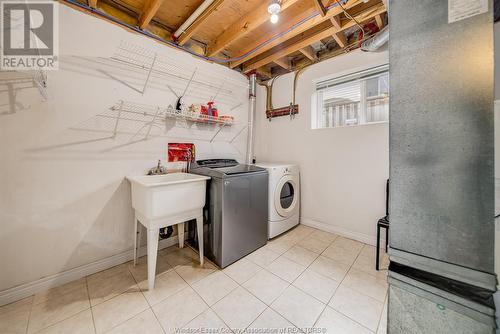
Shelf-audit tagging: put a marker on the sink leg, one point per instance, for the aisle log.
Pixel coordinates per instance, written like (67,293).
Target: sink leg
(180,234)
(139,236)
(135,240)
(152,252)
(199,231)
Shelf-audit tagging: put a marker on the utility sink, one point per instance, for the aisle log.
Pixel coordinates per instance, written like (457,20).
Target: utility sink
(159,196)
(162,201)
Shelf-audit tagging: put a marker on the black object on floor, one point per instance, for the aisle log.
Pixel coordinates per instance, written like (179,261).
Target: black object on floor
(383,223)
(166,234)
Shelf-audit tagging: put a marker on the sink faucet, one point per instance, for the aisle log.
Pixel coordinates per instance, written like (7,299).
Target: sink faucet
(158,170)
(189,156)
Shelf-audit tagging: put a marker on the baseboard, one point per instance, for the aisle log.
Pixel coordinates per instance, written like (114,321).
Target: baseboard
(365,238)
(25,290)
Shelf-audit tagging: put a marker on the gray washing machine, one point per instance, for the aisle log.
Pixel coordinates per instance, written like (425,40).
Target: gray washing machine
(235,213)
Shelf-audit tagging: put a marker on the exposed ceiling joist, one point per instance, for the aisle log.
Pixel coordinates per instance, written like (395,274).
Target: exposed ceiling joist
(289,49)
(309,52)
(340,39)
(92,3)
(284,63)
(188,33)
(264,72)
(320,7)
(246,24)
(336,22)
(295,32)
(312,36)
(149,11)
(277,47)
(380,21)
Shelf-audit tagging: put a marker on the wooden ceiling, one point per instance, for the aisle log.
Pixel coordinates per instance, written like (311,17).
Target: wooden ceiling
(240,30)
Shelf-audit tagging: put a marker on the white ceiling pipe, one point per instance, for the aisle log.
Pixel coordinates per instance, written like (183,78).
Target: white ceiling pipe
(193,17)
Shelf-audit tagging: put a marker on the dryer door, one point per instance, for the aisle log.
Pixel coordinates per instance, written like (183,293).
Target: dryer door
(286,196)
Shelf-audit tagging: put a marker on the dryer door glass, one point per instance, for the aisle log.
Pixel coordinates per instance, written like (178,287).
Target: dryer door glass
(286,195)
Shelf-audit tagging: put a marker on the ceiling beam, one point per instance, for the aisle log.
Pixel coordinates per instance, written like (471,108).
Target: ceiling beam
(244,25)
(380,21)
(336,21)
(340,39)
(290,48)
(322,55)
(284,63)
(320,7)
(295,32)
(92,3)
(189,32)
(264,72)
(309,52)
(312,36)
(149,11)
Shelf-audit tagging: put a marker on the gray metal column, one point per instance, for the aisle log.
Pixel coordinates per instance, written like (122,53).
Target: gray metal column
(441,141)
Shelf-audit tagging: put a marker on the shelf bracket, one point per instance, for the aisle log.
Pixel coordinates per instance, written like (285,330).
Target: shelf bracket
(152,122)
(149,75)
(238,134)
(217,132)
(115,130)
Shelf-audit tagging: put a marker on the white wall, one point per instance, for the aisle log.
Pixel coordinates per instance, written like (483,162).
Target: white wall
(343,170)
(64,202)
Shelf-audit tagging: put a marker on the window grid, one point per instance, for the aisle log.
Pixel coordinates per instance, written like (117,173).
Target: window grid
(354,102)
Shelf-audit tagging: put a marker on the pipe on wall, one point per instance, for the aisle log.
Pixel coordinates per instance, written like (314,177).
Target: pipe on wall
(251,116)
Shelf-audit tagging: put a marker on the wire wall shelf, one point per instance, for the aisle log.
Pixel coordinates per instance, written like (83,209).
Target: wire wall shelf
(163,67)
(170,112)
(155,116)
(127,123)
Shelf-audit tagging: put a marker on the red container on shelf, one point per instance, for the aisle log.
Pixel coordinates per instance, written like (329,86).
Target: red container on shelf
(210,111)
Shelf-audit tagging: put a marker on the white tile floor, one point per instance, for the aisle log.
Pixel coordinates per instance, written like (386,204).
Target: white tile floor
(305,278)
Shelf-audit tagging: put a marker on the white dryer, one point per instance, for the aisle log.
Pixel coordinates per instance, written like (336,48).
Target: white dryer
(284,197)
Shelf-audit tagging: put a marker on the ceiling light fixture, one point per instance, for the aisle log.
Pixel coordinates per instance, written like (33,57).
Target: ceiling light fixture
(274,8)
(274,18)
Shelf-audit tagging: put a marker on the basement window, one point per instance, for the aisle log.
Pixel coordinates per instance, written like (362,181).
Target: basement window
(355,99)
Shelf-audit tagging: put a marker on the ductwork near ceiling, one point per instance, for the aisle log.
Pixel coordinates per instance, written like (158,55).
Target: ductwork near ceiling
(377,41)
